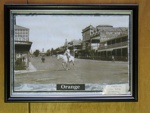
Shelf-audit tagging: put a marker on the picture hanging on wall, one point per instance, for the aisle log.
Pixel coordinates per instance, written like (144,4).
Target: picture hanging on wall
(71,53)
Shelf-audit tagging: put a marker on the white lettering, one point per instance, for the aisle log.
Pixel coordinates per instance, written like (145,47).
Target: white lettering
(70,87)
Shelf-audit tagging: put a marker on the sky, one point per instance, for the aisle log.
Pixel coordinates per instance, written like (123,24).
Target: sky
(51,31)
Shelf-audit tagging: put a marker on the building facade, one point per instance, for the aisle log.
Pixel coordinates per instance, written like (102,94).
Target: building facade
(114,49)
(104,42)
(22,47)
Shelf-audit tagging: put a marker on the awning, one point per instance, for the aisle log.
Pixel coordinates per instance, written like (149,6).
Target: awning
(22,47)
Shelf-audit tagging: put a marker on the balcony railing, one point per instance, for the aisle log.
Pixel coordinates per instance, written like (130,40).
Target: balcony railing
(114,45)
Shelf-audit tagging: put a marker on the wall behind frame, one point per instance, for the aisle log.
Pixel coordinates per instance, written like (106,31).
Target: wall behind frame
(142,106)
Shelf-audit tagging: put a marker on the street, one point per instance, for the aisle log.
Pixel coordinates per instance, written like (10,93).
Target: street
(84,71)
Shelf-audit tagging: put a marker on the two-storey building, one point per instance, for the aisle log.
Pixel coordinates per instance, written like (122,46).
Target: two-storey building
(22,45)
(99,37)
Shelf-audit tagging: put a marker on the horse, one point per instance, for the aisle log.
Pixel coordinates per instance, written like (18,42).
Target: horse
(64,60)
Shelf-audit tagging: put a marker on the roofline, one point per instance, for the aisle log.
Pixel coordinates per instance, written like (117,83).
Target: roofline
(21,27)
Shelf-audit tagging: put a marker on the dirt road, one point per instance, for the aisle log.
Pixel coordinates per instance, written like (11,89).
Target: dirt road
(84,71)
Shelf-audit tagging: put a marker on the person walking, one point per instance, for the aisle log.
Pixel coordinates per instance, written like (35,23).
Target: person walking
(43,59)
(113,58)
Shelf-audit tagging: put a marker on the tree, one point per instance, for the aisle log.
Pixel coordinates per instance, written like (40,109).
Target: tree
(36,53)
(48,52)
(52,51)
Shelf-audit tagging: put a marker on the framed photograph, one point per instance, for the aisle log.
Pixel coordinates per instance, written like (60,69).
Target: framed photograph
(71,53)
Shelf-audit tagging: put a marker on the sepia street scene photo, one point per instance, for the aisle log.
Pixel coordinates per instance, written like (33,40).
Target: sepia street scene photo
(71,53)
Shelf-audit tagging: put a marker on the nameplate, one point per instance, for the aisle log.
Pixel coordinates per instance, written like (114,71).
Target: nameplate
(71,87)
(115,89)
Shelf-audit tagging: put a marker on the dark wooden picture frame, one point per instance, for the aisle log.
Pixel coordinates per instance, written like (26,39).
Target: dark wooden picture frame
(108,69)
